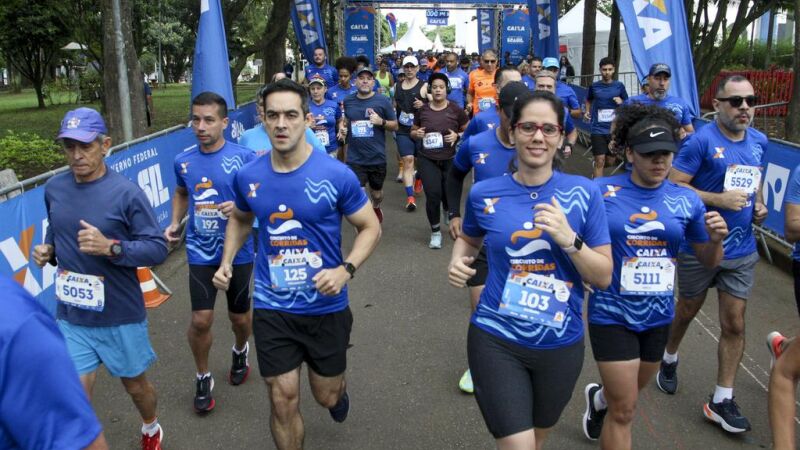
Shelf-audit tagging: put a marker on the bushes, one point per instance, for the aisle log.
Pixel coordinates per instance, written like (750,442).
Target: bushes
(28,154)
(781,55)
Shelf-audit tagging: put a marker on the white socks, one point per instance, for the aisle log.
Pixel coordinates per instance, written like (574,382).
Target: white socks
(200,376)
(670,358)
(150,429)
(721,393)
(599,400)
(244,350)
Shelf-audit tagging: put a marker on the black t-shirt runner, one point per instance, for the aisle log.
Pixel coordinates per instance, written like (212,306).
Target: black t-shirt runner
(404,98)
(437,124)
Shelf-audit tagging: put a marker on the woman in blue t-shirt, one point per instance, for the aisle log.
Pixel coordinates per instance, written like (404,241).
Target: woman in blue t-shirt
(545,234)
(327,116)
(648,218)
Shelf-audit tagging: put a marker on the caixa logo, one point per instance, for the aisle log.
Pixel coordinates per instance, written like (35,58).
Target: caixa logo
(237,130)
(152,184)
(16,251)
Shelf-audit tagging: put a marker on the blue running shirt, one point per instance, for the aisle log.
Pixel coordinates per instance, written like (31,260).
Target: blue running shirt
(327,72)
(257,140)
(793,197)
(677,105)
(208,179)
(567,95)
(602,95)
(485,154)
(337,93)
(647,227)
(366,141)
(707,155)
(459,82)
(489,119)
(530,83)
(501,210)
(301,229)
(325,117)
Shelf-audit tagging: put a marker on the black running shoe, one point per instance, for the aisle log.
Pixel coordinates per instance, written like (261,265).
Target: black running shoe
(726,413)
(203,401)
(339,412)
(240,367)
(592,418)
(667,378)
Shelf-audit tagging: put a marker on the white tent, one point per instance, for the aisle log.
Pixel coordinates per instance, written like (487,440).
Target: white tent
(437,44)
(413,38)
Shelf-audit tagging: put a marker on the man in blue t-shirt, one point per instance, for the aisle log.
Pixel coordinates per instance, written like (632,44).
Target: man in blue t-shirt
(204,176)
(563,90)
(300,301)
(321,68)
(368,118)
(546,81)
(101,229)
(722,162)
(602,100)
(791,228)
(459,80)
(42,403)
(658,81)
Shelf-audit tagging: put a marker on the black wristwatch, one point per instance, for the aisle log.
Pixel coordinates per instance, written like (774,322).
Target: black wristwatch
(350,268)
(383,123)
(116,249)
(577,245)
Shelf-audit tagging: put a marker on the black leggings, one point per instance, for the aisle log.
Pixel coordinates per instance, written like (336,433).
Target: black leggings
(433,174)
(796,273)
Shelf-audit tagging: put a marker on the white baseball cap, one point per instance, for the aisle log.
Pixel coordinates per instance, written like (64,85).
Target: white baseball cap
(410,59)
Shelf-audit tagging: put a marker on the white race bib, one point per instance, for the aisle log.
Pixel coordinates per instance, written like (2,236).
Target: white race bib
(433,141)
(362,129)
(605,115)
(536,298)
(208,220)
(744,178)
(80,290)
(456,83)
(406,119)
(485,103)
(647,276)
(323,137)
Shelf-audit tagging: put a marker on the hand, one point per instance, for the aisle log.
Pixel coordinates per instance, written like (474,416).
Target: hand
(226,208)
(375,119)
(451,137)
(92,242)
(455,227)
(734,200)
(550,218)
(587,116)
(42,254)
(419,133)
(417,103)
(342,134)
(331,281)
(460,271)
(759,213)
(716,227)
(468,108)
(618,100)
(171,233)
(222,278)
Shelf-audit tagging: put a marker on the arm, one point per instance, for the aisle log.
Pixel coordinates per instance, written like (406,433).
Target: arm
(782,391)
(587,116)
(759,208)
(180,204)
(791,227)
(240,225)
(710,253)
(731,200)
(465,249)
(146,246)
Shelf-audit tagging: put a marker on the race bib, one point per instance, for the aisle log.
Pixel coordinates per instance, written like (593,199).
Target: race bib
(362,129)
(535,298)
(485,103)
(79,290)
(208,220)
(605,115)
(406,119)
(456,83)
(323,138)
(294,272)
(433,141)
(745,178)
(647,276)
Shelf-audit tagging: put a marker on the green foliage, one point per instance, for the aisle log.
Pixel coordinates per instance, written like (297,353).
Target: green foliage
(448,35)
(781,55)
(62,91)
(28,154)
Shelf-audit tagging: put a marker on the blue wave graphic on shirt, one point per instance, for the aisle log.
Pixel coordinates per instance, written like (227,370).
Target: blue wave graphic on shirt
(324,190)
(634,310)
(735,237)
(576,197)
(206,194)
(644,228)
(206,248)
(286,300)
(285,226)
(531,333)
(229,165)
(530,247)
(679,206)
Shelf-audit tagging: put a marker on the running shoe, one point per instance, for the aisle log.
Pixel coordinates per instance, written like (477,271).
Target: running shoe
(203,401)
(436,240)
(726,414)
(240,367)
(417,186)
(153,442)
(465,383)
(667,378)
(399,178)
(411,203)
(774,342)
(339,412)
(378,213)
(592,418)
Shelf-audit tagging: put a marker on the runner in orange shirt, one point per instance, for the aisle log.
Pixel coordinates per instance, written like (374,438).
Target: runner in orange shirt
(482,93)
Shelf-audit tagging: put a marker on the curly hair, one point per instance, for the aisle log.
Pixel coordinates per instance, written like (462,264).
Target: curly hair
(633,118)
(346,62)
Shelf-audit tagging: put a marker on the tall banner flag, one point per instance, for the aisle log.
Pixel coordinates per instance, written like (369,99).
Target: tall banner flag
(392,25)
(657,33)
(544,25)
(487,34)
(308,26)
(211,69)
(516,35)
(359,25)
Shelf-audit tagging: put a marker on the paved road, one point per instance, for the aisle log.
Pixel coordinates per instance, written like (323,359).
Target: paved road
(409,351)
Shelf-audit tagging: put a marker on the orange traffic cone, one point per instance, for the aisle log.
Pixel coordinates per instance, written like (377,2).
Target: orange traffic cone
(152,296)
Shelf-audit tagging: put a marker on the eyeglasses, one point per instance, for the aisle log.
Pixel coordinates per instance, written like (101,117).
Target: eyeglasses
(490,61)
(530,129)
(736,100)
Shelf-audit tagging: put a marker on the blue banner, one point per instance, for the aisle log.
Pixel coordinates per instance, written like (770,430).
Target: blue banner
(359,26)
(437,17)
(544,26)
(308,26)
(487,31)
(210,67)
(516,36)
(657,34)
(392,25)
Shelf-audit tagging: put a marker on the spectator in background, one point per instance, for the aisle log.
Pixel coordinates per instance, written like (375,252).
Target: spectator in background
(424,72)
(288,69)
(466,64)
(148,103)
(565,70)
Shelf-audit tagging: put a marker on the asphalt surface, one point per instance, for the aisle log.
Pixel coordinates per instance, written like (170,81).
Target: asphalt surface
(408,352)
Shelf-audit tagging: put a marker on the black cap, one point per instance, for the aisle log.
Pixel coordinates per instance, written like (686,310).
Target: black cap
(365,69)
(655,139)
(510,93)
(658,68)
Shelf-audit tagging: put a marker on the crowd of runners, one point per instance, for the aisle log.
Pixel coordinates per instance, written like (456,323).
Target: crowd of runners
(530,243)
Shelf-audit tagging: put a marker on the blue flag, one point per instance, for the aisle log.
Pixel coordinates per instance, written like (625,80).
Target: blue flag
(307,26)
(544,25)
(516,36)
(392,25)
(359,33)
(657,34)
(487,33)
(211,69)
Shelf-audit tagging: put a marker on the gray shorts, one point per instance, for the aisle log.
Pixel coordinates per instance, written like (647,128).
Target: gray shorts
(734,276)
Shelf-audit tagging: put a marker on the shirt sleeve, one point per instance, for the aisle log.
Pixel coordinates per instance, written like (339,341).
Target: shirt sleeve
(572,100)
(352,198)
(690,156)
(569,126)
(470,225)
(687,115)
(595,229)
(471,89)
(178,178)
(623,92)
(312,139)
(462,160)
(240,193)
(49,238)
(590,93)
(147,246)
(696,228)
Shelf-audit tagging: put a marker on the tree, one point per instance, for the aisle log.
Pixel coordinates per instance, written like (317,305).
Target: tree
(274,38)
(589,30)
(31,35)
(793,120)
(613,36)
(448,35)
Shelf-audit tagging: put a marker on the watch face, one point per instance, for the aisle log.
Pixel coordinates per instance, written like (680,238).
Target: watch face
(578,242)
(116,249)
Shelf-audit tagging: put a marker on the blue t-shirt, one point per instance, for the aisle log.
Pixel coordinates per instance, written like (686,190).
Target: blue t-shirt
(485,154)
(42,402)
(489,119)
(367,142)
(603,105)
(121,211)
(647,227)
(327,72)
(337,93)
(677,105)
(325,117)
(793,197)
(529,82)
(257,139)
(706,155)
(301,229)
(424,76)
(459,82)
(208,180)
(501,210)
(567,95)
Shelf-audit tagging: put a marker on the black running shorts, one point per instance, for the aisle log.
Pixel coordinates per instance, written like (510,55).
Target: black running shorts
(374,176)
(204,294)
(481,264)
(617,343)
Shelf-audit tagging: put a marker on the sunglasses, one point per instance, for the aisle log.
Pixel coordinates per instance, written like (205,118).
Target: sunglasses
(530,128)
(490,61)
(736,100)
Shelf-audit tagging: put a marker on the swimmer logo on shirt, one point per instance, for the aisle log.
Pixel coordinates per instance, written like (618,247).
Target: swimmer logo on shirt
(528,232)
(647,216)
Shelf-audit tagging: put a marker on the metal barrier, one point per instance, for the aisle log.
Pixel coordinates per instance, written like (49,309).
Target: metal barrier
(764,109)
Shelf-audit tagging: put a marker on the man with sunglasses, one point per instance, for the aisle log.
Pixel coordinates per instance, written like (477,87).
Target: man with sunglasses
(482,93)
(658,81)
(722,163)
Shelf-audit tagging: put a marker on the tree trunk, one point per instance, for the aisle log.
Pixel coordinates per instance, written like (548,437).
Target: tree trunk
(793,120)
(274,55)
(614,50)
(37,86)
(770,27)
(589,30)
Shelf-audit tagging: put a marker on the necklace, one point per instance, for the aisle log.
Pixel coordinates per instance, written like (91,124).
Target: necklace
(532,191)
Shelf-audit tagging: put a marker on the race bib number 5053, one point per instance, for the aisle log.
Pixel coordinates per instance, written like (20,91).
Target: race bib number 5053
(80,290)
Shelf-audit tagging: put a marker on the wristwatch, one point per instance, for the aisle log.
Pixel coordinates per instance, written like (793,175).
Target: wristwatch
(115,249)
(383,122)
(350,268)
(577,245)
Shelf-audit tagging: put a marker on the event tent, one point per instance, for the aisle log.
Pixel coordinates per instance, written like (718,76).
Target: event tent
(413,38)
(437,44)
